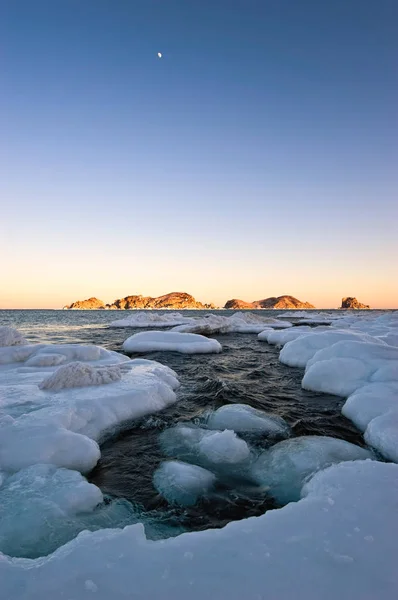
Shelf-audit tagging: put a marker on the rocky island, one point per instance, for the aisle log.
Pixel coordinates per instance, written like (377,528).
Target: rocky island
(280,302)
(174,300)
(353,304)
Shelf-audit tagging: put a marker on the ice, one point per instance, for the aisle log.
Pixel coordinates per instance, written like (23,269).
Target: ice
(46,360)
(43,507)
(280,338)
(45,419)
(11,337)
(345,366)
(283,468)
(151,319)
(237,323)
(382,433)
(242,418)
(298,352)
(78,374)
(224,447)
(339,541)
(186,343)
(182,483)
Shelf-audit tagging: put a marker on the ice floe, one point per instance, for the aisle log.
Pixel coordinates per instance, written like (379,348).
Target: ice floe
(148,318)
(242,418)
(237,323)
(11,337)
(171,341)
(57,415)
(283,468)
(182,483)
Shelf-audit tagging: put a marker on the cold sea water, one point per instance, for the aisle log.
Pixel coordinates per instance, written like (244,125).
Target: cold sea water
(247,371)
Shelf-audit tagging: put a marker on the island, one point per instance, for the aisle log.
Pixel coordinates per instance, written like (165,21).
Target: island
(174,300)
(280,302)
(353,304)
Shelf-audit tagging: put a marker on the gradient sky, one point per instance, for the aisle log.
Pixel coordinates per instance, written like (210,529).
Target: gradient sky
(257,158)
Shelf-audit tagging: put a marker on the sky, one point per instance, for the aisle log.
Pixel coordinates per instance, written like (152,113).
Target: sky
(257,157)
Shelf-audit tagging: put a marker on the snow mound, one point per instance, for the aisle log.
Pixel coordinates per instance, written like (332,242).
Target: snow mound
(381,433)
(151,319)
(78,374)
(224,447)
(242,418)
(284,468)
(181,483)
(298,352)
(340,540)
(158,341)
(237,323)
(11,337)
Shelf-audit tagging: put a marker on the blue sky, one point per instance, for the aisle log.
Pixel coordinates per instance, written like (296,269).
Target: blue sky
(258,157)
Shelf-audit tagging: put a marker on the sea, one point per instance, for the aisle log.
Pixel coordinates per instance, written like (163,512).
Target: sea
(247,371)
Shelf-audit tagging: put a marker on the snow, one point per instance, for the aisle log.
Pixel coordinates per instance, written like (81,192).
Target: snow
(158,341)
(242,418)
(151,319)
(284,467)
(298,352)
(339,541)
(78,374)
(224,447)
(11,337)
(181,483)
(239,322)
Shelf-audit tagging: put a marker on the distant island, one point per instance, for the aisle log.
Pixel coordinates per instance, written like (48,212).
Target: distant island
(174,300)
(280,302)
(353,303)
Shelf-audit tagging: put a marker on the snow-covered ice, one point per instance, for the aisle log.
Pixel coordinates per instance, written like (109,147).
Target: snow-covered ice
(182,483)
(148,318)
(172,341)
(239,322)
(242,418)
(339,541)
(283,468)
(11,337)
(57,414)
(298,352)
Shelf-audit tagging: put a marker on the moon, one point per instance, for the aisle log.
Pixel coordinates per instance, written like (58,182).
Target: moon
(159,55)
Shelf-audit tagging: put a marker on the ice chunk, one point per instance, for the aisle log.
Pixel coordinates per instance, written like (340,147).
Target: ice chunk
(181,483)
(151,319)
(284,468)
(280,338)
(11,337)
(43,507)
(298,352)
(224,447)
(370,401)
(382,433)
(242,418)
(78,374)
(186,343)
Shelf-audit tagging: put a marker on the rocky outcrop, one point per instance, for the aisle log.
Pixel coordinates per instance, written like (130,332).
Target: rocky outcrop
(238,304)
(175,300)
(90,304)
(280,302)
(352,303)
